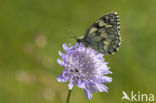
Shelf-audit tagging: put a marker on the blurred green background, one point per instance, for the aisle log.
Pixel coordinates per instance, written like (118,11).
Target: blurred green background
(32,32)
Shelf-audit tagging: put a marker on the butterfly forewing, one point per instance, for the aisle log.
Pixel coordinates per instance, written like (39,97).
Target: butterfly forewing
(104,34)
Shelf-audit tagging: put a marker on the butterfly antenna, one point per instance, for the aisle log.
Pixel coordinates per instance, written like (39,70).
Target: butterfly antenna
(70,32)
(72,37)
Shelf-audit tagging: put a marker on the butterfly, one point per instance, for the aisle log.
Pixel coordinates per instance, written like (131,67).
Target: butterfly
(103,35)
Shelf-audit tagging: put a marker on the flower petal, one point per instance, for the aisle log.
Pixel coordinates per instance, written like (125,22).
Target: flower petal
(60,53)
(80,84)
(71,84)
(62,78)
(106,79)
(101,87)
(93,89)
(65,47)
(59,61)
(87,93)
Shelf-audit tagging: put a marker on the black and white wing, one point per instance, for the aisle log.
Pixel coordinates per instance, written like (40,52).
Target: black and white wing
(104,34)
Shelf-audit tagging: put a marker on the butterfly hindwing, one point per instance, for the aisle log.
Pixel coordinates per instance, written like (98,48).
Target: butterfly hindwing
(104,35)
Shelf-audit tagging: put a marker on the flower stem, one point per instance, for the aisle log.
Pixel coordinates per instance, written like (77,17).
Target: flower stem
(68,97)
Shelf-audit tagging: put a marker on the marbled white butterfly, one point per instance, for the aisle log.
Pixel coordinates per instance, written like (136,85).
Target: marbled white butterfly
(104,34)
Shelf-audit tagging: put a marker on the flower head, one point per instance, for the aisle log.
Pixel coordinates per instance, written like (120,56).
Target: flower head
(84,67)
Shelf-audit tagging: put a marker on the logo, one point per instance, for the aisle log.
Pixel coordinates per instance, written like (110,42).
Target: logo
(140,97)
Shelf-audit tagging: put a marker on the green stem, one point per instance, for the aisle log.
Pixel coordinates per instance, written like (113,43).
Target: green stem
(68,97)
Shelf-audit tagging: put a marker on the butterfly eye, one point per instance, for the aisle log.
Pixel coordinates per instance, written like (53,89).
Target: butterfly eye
(78,40)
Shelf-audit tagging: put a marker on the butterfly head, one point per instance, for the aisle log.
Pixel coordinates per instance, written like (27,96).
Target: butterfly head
(79,39)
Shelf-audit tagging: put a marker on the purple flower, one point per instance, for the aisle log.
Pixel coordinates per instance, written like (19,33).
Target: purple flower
(84,67)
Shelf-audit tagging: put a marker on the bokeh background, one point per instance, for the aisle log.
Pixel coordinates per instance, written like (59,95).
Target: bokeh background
(32,32)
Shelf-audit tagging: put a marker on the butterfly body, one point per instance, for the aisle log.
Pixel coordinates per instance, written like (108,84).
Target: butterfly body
(103,35)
